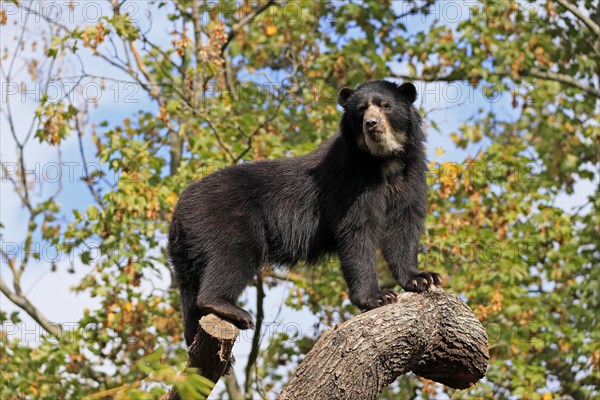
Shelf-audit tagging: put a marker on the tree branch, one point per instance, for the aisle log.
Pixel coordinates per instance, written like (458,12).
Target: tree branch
(88,180)
(562,78)
(260,315)
(547,75)
(154,91)
(24,303)
(198,86)
(233,388)
(580,16)
(433,334)
(249,18)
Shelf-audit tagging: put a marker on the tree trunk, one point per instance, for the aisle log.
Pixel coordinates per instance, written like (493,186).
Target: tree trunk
(433,334)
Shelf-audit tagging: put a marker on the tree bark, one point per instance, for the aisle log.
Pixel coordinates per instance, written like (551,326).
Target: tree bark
(210,352)
(433,334)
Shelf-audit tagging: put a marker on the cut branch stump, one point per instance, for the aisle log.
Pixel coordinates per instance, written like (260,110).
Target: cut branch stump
(210,353)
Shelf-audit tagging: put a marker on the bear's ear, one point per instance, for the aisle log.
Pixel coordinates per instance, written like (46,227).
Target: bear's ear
(409,91)
(343,96)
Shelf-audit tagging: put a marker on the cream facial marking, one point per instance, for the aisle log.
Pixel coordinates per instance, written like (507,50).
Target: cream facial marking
(378,134)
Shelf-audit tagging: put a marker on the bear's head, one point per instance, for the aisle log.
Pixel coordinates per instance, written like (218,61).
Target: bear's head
(380,117)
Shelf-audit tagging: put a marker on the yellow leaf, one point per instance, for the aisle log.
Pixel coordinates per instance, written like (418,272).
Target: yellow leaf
(270,29)
(539,51)
(568,127)
(547,396)
(439,151)
(172,198)
(450,172)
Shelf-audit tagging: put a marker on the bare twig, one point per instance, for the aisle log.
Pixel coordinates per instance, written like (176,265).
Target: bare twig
(249,18)
(212,127)
(197,87)
(260,315)
(233,388)
(154,92)
(88,181)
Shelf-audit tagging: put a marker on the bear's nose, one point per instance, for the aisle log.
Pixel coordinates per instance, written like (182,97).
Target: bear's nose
(371,123)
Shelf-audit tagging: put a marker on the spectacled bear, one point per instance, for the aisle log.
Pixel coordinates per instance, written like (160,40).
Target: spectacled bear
(363,189)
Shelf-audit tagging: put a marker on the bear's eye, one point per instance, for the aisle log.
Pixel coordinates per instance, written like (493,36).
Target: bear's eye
(385,105)
(362,107)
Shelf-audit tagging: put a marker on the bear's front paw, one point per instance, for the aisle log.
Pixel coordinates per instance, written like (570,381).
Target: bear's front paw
(244,321)
(382,298)
(421,281)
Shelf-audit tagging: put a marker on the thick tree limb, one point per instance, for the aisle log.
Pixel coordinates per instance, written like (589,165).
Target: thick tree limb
(434,334)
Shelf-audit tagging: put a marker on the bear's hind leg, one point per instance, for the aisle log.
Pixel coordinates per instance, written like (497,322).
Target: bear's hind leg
(191,313)
(222,284)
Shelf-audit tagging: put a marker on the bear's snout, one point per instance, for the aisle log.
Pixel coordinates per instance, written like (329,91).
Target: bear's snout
(372,123)
(373,120)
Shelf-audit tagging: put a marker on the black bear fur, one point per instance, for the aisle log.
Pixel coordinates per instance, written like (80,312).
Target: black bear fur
(363,189)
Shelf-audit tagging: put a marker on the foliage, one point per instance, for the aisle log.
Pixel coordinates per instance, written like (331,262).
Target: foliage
(260,82)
